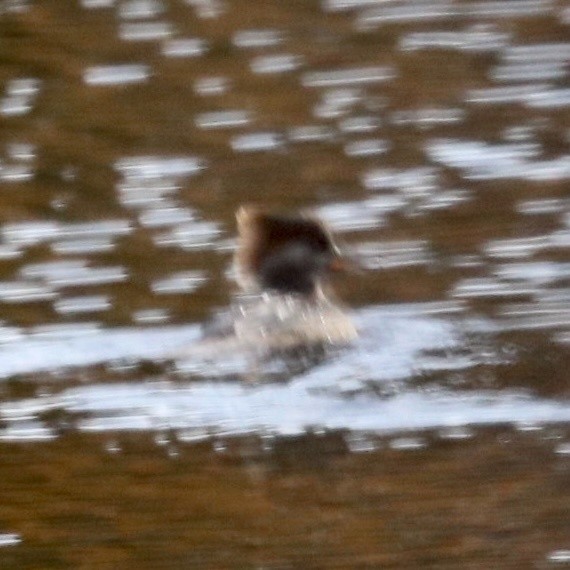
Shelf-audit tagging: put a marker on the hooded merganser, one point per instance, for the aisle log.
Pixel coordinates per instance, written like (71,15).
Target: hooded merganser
(283,264)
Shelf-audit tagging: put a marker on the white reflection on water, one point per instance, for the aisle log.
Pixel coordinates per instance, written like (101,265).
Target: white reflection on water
(83,304)
(260,38)
(144,31)
(157,167)
(207,86)
(510,94)
(184,282)
(310,133)
(529,71)
(539,272)
(96,4)
(20,96)
(535,315)
(389,350)
(16,173)
(25,292)
(516,248)
(549,99)
(184,47)
(139,9)
(221,408)
(488,287)
(483,161)
(350,216)
(478,38)
(506,8)
(151,316)
(83,246)
(366,147)
(348,77)
(116,74)
(542,206)
(257,142)
(272,64)
(9,539)
(406,12)
(428,117)
(345,5)
(222,119)
(387,255)
(73,273)
(208,8)
(190,236)
(25,234)
(559,557)
(165,216)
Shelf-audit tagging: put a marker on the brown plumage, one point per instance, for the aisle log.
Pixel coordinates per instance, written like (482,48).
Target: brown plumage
(283,254)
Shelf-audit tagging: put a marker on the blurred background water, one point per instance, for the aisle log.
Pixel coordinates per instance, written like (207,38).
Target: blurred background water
(432,136)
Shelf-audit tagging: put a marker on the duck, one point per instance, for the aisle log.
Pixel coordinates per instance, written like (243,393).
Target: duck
(283,265)
(285,307)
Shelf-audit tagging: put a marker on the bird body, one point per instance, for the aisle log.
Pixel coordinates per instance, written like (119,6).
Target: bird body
(283,265)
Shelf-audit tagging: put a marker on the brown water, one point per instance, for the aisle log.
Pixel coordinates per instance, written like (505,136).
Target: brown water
(432,136)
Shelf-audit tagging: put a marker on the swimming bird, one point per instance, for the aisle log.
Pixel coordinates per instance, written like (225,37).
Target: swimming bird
(288,255)
(283,264)
(286,309)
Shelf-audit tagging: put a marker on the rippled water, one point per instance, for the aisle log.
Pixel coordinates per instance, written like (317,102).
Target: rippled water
(431,136)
